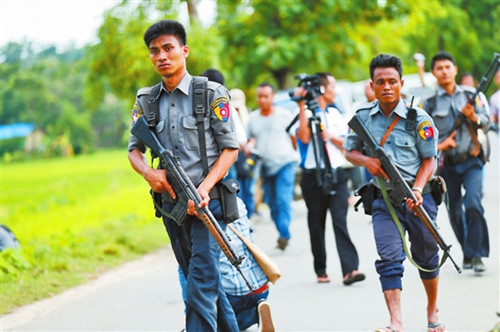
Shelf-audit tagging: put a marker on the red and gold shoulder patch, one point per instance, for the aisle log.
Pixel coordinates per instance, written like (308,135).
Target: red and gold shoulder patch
(136,113)
(426,131)
(221,108)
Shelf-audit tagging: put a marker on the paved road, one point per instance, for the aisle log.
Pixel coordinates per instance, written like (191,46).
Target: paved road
(144,295)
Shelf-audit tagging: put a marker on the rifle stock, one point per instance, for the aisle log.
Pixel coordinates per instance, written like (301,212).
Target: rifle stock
(185,190)
(401,190)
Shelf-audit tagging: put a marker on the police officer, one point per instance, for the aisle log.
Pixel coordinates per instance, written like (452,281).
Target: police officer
(413,150)
(463,159)
(207,307)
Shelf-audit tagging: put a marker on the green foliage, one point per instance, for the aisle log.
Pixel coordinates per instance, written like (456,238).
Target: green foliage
(81,99)
(74,217)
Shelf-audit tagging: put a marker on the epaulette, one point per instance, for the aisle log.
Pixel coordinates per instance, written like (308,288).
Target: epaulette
(468,89)
(212,86)
(427,96)
(367,106)
(144,91)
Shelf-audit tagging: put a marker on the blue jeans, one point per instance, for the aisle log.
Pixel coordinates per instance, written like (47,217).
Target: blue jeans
(247,187)
(424,248)
(467,213)
(245,308)
(278,195)
(198,255)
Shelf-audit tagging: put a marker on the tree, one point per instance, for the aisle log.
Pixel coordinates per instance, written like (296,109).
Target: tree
(289,37)
(120,62)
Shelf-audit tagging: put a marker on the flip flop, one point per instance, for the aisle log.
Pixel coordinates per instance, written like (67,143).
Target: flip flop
(354,278)
(435,325)
(385,329)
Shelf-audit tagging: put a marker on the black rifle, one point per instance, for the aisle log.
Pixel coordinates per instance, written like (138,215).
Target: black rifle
(401,190)
(485,81)
(185,190)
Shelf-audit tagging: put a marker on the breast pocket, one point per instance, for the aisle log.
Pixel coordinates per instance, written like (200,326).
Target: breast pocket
(191,132)
(406,150)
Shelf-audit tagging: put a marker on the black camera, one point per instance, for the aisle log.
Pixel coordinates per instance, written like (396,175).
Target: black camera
(311,84)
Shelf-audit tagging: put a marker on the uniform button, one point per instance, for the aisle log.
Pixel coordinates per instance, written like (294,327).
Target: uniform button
(173,105)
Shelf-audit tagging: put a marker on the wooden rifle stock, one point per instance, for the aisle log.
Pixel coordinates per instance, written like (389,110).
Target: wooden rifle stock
(185,190)
(269,267)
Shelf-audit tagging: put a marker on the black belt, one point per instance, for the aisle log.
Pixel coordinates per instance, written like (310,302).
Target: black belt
(427,189)
(456,158)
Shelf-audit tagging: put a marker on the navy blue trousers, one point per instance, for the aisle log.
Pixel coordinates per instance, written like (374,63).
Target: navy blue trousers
(466,212)
(423,248)
(198,255)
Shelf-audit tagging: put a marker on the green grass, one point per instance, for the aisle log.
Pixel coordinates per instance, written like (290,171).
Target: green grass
(74,217)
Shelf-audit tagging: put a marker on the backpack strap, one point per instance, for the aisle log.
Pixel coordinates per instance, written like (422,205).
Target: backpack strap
(154,106)
(200,111)
(432,103)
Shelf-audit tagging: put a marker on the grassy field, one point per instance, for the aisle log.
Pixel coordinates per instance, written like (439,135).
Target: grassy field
(75,218)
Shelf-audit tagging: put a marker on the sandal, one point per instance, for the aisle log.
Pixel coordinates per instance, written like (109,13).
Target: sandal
(385,329)
(323,278)
(353,276)
(432,326)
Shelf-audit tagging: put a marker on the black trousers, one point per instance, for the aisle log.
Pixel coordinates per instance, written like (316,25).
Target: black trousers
(318,203)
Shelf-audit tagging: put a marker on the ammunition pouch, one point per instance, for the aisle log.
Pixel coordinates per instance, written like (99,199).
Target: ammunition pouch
(368,192)
(228,191)
(438,189)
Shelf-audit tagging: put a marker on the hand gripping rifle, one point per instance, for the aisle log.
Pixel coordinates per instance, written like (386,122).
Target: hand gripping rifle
(185,190)
(401,190)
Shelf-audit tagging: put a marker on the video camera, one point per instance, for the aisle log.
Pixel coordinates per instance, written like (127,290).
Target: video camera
(314,89)
(311,84)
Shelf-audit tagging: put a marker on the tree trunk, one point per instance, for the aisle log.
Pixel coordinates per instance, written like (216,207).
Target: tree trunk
(280,77)
(193,12)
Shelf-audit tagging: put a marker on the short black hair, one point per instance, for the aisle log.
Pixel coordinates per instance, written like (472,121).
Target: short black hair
(165,27)
(443,55)
(264,84)
(214,75)
(323,78)
(386,61)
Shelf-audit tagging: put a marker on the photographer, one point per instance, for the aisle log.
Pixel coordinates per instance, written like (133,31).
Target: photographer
(323,182)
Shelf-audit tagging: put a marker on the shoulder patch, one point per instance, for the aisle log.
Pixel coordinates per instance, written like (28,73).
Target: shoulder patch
(426,131)
(136,113)
(221,108)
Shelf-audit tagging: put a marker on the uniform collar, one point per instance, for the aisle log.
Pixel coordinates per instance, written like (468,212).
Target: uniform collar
(441,91)
(183,85)
(400,109)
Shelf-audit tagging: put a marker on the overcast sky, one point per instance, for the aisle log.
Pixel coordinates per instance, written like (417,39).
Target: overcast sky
(59,22)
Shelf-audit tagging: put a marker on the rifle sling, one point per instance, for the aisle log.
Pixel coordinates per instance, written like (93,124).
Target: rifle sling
(395,218)
(391,127)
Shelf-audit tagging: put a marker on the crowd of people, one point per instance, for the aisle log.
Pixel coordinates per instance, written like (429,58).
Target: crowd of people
(440,138)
